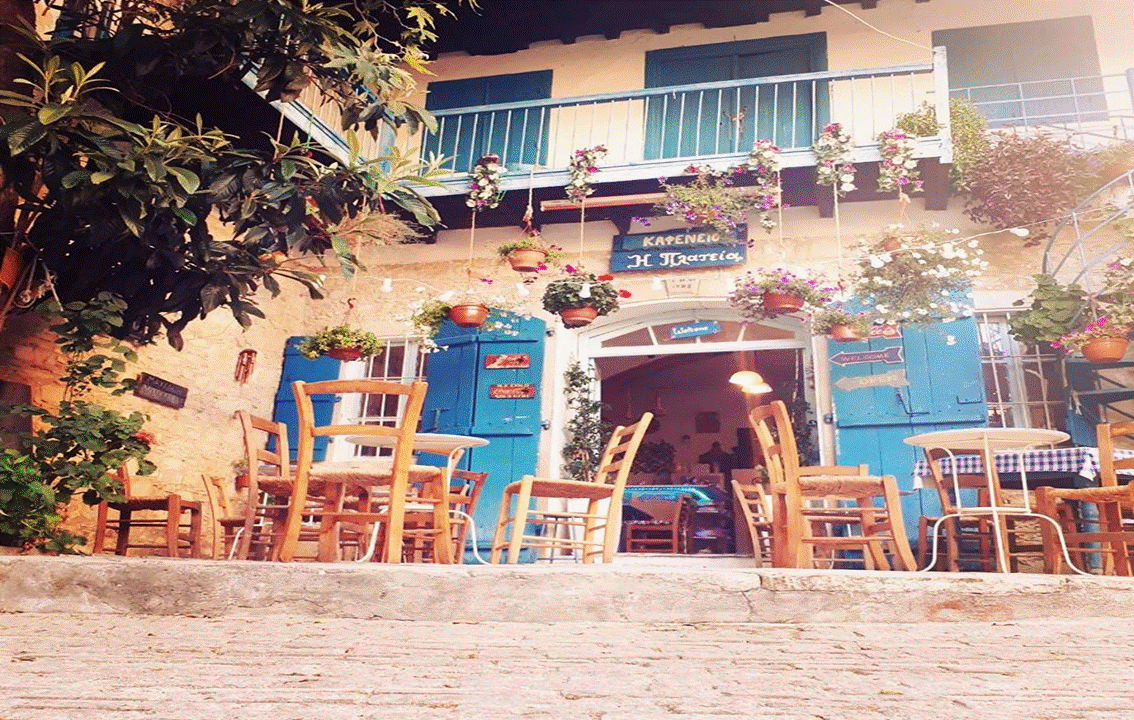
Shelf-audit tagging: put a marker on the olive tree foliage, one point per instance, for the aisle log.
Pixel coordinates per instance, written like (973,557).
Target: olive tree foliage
(115,183)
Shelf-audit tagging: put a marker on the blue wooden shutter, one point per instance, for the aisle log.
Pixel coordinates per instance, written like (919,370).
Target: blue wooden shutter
(459,401)
(944,388)
(698,123)
(297,367)
(518,136)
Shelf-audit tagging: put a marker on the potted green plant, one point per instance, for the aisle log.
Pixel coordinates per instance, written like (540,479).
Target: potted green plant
(341,342)
(1100,341)
(530,253)
(918,276)
(473,307)
(768,292)
(580,297)
(1053,311)
(841,325)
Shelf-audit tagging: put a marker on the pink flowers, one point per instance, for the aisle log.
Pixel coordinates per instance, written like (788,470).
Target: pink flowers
(898,168)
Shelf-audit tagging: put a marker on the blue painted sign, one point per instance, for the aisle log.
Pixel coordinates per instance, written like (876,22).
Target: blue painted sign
(694,329)
(695,257)
(682,237)
(674,249)
(892,354)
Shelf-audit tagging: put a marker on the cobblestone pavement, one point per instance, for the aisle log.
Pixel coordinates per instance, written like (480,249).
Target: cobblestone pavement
(60,666)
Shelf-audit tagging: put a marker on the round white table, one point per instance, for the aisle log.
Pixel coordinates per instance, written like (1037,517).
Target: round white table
(988,441)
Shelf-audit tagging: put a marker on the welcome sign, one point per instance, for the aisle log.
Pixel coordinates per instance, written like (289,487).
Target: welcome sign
(675,249)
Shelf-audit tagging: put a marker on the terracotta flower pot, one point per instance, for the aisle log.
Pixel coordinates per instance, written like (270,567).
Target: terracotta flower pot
(1104,350)
(344,353)
(468,316)
(578,317)
(845,333)
(891,244)
(781,303)
(527,260)
(11,265)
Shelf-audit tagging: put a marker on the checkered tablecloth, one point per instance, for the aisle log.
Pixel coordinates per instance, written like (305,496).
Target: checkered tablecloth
(1082,461)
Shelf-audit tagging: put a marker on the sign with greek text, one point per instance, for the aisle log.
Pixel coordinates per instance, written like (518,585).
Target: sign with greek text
(507,362)
(163,392)
(892,354)
(676,249)
(694,329)
(678,258)
(511,392)
(669,239)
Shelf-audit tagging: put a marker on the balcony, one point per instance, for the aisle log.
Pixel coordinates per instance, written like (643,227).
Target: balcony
(658,132)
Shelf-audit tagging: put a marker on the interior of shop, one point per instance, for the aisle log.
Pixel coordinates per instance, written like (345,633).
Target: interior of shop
(699,441)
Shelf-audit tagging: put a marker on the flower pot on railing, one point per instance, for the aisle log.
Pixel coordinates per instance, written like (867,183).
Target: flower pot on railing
(468,316)
(345,353)
(1104,350)
(846,333)
(782,303)
(527,260)
(579,316)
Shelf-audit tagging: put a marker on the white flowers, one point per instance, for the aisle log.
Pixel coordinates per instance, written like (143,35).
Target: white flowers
(834,153)
(898,169)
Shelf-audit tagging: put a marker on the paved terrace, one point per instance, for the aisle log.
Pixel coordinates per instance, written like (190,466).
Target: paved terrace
(101,638)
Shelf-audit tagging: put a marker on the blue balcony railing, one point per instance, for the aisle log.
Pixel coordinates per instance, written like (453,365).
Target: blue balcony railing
(660,131)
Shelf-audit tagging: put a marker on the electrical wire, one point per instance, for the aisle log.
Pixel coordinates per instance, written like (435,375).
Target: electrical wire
(833,4)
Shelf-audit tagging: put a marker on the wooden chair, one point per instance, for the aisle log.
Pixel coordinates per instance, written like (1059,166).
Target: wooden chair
(1109,532)
(599,528)
(756,508)
(464,492)
(810,504)
(394,478)
(967,541)
(667,534)
(256,533)
(166,512)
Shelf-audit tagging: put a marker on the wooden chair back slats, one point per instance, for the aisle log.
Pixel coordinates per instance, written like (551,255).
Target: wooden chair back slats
(811,504)
(599,530)
(1105,434)
(411,398)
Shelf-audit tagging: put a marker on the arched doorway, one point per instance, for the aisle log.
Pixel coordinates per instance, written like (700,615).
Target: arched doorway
(674,359)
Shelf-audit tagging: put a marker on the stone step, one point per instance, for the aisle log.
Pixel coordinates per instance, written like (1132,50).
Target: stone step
(630,591)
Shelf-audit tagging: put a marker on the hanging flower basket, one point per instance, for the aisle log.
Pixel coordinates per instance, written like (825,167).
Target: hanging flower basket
(578,316)
(468,316)
(782,303)
(345,353)
(527,261)
(1105,350)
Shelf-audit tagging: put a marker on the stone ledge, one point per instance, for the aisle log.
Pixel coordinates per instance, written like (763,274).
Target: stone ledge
(595,593)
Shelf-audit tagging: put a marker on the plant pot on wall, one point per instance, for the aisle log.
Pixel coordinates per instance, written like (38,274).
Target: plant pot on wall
(1104,350)
(782,303)
(527,260)
(579,316)
(468,316)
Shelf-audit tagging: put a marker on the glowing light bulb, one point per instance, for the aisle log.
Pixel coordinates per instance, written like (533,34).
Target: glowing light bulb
(745,377)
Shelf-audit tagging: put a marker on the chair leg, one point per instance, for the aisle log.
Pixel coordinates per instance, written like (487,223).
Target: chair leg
(100,527)
(172,523)
(900,544)
(519,522)
(501,523)
(194,533)
(122,543)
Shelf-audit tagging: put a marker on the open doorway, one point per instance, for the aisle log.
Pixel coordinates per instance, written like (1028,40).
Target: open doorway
(699,441)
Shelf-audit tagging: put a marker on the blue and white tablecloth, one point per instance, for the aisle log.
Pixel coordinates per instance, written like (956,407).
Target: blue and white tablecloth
(1082,461)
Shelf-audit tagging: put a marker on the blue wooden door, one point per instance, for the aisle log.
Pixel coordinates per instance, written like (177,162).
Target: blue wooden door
(887,389)
(487,384)
(699,123)
(297,367)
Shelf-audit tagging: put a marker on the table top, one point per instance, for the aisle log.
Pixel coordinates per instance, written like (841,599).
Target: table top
(429,442)
(1081,461)
(990,438)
